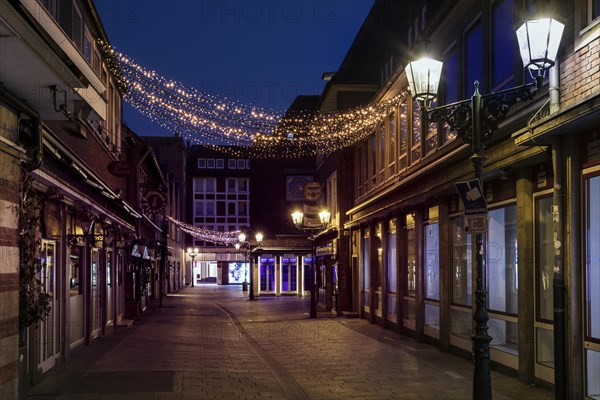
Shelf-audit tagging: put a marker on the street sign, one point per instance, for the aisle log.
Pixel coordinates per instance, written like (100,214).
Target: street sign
(472,196)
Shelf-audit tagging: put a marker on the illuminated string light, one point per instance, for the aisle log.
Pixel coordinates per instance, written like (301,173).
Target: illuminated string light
(219,237)
(241,129)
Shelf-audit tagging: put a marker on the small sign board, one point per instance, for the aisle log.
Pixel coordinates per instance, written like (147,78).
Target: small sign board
(476,223)
(154,201)
(472,196)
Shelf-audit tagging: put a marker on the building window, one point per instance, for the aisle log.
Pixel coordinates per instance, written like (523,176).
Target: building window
(231,185)
(87,47)
(503,55)
(209,208)
(544,263)
(210,163)
(473,57)
(231,208)
(592,284)
(202,163)
(247,164)
(243,185)
(502,260)
(366,270)
(241,164)
(392,263)
(462,264)
(242,209)
(544,258)
(391,160)
(199,208)
(382,151)
(231,163)
(220,163)
(502,278)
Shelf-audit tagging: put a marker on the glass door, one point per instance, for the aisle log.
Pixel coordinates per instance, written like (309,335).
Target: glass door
(432,281)
(48,328)
(267,275)
(410,275)
(289,275)
(95,300)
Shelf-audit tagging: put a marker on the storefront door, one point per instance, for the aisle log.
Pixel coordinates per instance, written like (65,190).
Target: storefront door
(48,328)
(289,275)
(267,275)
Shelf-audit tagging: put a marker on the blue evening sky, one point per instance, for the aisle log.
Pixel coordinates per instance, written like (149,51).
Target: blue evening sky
(263,53)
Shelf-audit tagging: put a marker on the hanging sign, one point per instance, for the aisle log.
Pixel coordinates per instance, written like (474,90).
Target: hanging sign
(154,201)
(313,191)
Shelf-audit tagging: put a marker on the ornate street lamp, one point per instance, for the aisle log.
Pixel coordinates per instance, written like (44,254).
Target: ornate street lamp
(248,248)
(298,218)
(193,253)
(475,120)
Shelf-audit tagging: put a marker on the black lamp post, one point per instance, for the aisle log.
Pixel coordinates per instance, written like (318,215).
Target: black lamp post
(298,218)
(193,253)
(475,120)
(248,248)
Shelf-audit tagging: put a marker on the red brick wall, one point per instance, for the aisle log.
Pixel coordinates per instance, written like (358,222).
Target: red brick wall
(580,74)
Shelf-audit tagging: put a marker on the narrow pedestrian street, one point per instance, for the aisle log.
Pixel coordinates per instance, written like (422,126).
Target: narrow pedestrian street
(211,342)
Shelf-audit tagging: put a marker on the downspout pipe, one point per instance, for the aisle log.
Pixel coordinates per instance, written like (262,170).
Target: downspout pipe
(561,380)
(20,105)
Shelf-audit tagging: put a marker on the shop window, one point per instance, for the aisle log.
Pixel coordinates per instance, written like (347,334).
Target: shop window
(366,270)
(392,261)
(502,260)
(544,258)
(391,160)
(462,264)
(432,264)
(411,262)
(592,285)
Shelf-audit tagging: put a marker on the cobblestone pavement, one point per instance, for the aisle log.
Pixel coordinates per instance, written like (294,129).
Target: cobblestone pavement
(211,342)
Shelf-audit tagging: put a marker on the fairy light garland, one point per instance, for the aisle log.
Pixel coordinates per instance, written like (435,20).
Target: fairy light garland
(219,237)
(236,128)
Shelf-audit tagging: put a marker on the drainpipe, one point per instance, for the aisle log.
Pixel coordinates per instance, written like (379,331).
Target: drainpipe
(558,216)
(20,105)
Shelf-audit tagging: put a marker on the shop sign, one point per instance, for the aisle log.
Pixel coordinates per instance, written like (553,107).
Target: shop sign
(313,191)
(154,201)
(119,168)
(476,223)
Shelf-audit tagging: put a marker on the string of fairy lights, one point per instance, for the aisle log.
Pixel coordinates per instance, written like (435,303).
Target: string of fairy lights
(219,237)
(236,128)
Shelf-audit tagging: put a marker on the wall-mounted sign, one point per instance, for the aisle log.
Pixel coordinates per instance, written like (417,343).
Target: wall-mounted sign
(119,168)
(313,191)
(154,201)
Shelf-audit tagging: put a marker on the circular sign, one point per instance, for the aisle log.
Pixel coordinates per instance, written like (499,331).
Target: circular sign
(154,201)
(313,191)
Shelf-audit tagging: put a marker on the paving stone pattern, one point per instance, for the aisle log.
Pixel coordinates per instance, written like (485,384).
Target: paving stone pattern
(211,342)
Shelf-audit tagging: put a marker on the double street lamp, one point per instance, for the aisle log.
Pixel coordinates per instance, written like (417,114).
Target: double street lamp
(475,120)
(298,218)
(248,247)
(193,253)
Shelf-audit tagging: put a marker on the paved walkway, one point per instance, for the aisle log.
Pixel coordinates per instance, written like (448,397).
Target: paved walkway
(210,342)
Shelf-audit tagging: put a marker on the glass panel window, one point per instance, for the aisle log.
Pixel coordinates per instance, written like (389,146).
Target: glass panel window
(450,87)
(202,163)
(231,208)
(231,185)
(382,153)
(503,17)
(241,164)
(243,185)
(462,264)
(242,209)
(366,263)
(231,164)
(392,262)
(379,267)
(592,359)
(544,258)
(392,146)
(199,209)
(411,262)
(210,163)
(432,264)
(473,57)
(502,274)
(592,258)
(211,185)
(209,208)
(220,163)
